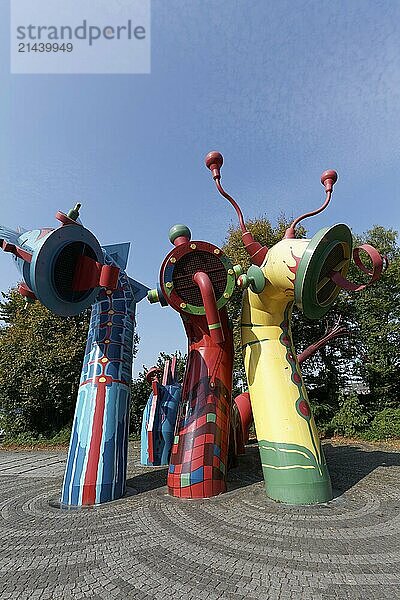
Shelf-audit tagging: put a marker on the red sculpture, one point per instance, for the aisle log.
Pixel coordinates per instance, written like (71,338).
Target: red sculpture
(197,280)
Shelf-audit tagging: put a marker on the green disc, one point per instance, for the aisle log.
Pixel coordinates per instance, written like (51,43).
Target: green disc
(329,249)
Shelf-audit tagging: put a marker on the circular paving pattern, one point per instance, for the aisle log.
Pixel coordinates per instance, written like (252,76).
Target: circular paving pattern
(239,545)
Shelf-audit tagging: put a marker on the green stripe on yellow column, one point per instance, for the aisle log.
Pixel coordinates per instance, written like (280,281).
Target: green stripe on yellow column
(292,473)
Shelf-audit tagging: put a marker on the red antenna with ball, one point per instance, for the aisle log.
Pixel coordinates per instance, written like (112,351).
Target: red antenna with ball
(214,161)
(328,180)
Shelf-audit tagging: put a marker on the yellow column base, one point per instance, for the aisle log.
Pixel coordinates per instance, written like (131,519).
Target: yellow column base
(293,463)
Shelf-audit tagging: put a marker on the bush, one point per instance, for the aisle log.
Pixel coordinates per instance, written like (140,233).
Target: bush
(37,440)
(326,430)
(321,410)
(351,418)
(322,413)
(40,363)
(385,425)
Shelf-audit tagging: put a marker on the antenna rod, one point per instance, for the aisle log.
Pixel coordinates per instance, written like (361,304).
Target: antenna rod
(214,161)
(328,180)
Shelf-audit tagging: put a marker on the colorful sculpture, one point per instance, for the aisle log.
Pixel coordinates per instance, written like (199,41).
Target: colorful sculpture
(57,264)
(197,280)
(160,412)
(159,416)
(242,415)
(68,271)
(310,273)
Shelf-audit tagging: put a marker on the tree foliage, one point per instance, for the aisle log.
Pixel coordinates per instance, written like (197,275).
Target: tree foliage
(377,314)
(40,362)
(351,418)
(385,425)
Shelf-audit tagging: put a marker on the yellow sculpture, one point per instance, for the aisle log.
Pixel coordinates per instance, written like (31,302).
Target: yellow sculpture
(309,273)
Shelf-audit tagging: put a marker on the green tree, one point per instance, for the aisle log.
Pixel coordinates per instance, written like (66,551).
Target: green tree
(377,313)
(351,418)
(385,425)
(40,362)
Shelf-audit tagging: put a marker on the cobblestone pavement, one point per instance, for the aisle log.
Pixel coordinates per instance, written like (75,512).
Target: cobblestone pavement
(32,464)
(239,545)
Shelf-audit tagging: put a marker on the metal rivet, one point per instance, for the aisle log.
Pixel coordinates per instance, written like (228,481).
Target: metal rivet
(217,251)
(172,259)
(183,305)
(104,360)
(169,284)
(226,295)
(193,246)
(230,271)
(102,379)
(109,323)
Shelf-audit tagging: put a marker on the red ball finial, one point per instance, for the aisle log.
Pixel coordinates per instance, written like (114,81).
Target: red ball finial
(153,374)
(328,179)
(214,161)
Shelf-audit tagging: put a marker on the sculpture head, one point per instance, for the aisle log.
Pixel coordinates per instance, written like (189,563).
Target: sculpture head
(310,272)
(196,278)
(63,268)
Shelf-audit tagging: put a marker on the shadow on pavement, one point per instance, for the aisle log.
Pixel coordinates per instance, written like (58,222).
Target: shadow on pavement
(148,480)
(246,472)
(347,466)
(350,464)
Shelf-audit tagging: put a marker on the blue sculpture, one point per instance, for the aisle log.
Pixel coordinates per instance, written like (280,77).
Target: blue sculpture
(159,416)
(67,270)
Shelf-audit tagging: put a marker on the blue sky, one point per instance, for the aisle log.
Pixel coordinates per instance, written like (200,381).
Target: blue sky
(283,89)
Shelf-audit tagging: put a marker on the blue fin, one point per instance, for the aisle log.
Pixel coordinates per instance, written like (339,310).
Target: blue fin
(139,289)
(9,235)
(119,253)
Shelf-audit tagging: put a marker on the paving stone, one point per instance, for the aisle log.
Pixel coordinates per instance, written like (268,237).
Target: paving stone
(240,545)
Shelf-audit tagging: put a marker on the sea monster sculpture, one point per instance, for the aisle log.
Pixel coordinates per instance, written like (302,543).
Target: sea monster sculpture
(68,271)
(160,412)
(197,280)
(242,415)
(159,415)
(309,273)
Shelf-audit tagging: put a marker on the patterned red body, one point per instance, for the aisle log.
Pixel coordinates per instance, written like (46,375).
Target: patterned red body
(199,456)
